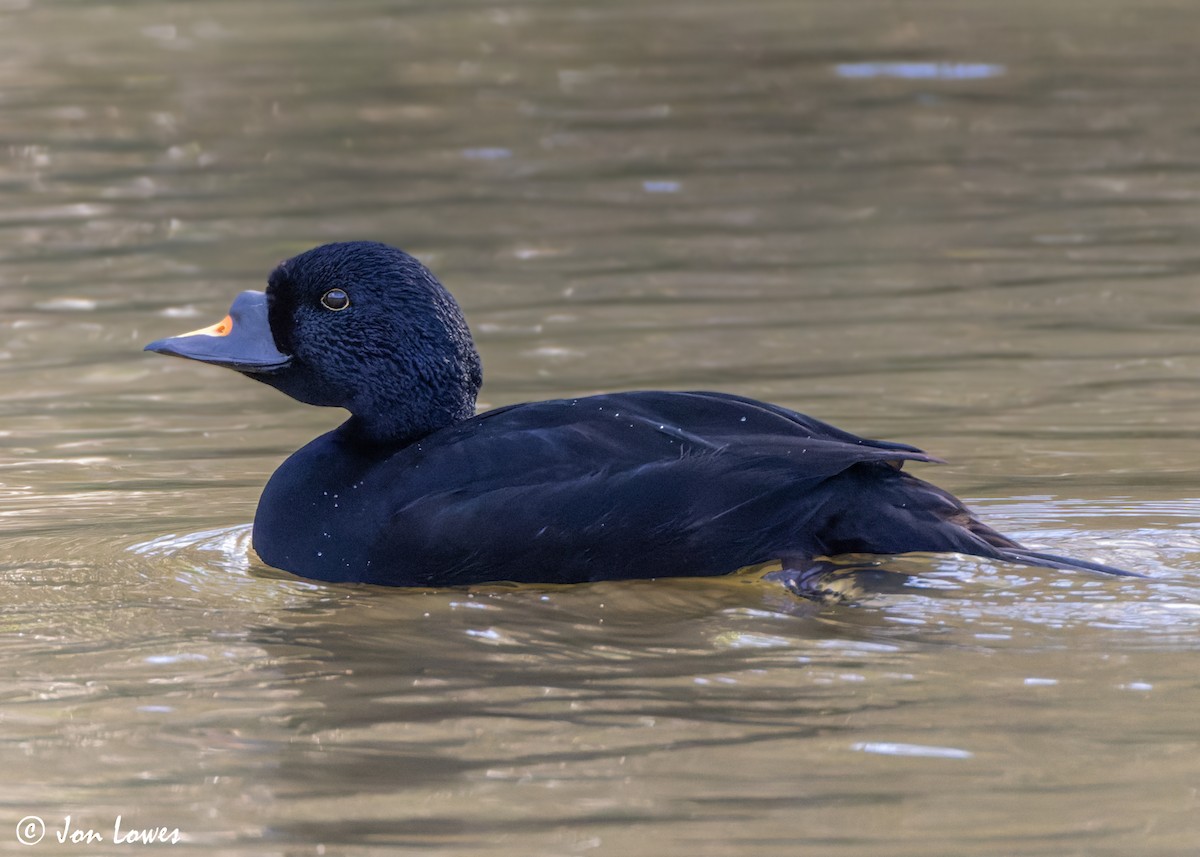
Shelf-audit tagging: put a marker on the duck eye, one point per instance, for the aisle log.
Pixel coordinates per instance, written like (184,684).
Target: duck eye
(335,299)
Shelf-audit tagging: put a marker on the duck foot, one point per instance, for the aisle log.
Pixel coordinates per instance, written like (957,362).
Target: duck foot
(827,582)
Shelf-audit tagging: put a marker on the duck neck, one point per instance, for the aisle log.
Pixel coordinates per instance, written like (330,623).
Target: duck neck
(395,431)
(396,416)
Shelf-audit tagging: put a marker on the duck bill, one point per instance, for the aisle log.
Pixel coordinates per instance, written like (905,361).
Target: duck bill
(242,340)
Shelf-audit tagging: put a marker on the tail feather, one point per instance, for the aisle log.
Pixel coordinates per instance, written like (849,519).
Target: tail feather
(1024,556)
(908,515)
(1013,551)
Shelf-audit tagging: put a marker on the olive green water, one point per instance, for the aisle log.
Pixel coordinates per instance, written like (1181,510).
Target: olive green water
(994,258)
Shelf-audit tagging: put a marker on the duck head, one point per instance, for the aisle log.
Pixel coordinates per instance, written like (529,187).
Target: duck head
(356,325)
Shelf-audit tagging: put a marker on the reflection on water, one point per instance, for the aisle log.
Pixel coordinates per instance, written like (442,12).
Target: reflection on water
(920,70)
(967,228)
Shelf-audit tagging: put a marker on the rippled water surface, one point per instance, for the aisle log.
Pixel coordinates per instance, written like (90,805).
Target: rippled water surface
(968,226)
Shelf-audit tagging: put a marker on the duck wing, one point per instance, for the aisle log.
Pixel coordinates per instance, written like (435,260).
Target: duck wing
(650,484)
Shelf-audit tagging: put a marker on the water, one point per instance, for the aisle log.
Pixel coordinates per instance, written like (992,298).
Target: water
(967,227)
